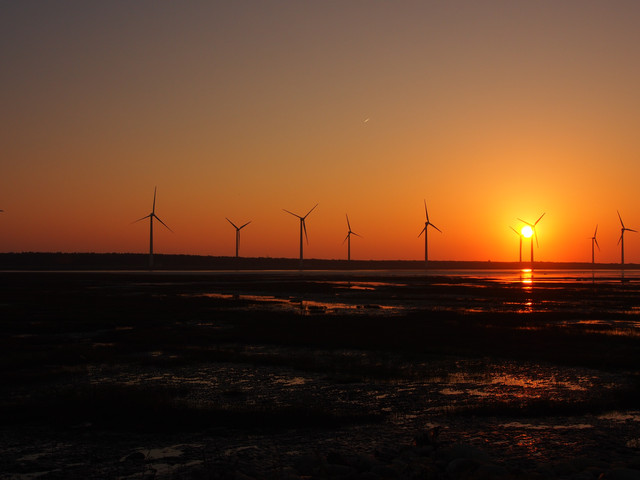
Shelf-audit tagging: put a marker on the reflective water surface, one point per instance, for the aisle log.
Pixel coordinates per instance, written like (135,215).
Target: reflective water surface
(608,303)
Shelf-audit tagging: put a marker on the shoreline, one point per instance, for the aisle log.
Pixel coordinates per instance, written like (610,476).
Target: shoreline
(166,262)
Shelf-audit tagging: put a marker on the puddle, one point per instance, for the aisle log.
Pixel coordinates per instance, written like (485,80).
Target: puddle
(158,453)
(291,382)
(530,426)
(303,306)
(621,416)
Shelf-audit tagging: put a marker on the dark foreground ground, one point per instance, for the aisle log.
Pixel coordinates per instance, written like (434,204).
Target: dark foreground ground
(321,375)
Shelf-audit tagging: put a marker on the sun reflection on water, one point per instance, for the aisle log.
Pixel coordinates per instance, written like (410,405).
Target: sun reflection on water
(526,278)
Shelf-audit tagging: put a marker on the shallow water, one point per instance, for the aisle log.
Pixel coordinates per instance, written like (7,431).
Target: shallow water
(608,304)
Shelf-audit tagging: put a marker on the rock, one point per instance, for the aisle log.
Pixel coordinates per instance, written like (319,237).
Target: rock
(466,451)
(461,466)
(430,437)
(489,472)
(307,464)
(563,469)
(385,471)
(545,470)
(385,454)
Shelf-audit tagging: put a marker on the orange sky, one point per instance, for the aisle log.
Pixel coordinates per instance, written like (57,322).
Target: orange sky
(489,110)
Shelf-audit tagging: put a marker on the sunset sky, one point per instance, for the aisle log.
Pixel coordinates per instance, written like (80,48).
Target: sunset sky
(489,110)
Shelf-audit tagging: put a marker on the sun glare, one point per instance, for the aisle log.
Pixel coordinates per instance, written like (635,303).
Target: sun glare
(526,231)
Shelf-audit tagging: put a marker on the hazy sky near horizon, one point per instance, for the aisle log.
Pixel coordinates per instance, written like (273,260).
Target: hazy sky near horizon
(489,110)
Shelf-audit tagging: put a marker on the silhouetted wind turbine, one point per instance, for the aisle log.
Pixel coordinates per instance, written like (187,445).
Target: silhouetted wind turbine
(151,216)
(427,224)
(594,241)
(621,239)
(348,239)
(519,236)
(303,227)
(533,228)
(237,233)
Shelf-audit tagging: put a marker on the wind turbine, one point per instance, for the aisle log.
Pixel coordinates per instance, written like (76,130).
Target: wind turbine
(534,234)
(348,239)
(519,236)
(237,233)
(303,227)
(427,224)
(594,241)
(621,239)
(151,216)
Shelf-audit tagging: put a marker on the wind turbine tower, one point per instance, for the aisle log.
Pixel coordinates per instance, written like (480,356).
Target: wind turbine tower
(303,228)
(594,243)
(237,233)
(621,239)
(535,234)
(520,237)
(348,239)
(427,224)
(151,216)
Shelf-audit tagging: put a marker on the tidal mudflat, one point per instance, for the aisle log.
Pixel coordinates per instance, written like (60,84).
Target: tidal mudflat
(318,375)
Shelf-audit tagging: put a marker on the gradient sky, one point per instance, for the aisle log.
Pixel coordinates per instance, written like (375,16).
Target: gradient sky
(489,110)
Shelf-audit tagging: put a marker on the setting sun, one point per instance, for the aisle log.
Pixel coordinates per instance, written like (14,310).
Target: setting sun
(526,231)
(267,112)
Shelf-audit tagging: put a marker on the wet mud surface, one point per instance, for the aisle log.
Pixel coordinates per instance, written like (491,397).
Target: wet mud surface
(317,376)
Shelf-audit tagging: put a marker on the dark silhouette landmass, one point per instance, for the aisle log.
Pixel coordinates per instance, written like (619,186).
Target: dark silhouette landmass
(139,261)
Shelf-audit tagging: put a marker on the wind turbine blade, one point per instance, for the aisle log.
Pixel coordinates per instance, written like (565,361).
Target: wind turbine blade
(354,233)
(304,227)
(348,224)
(539,219)
(426,213)
(314,207)
(158,218)
(435,227)
(234,225)
(596,242)
(244,225)
(291,213)
(527,223)
(596,232)
(346,238)
(620,218)
(422,231)
(136,221)
(620,239)
(514,230)
(154,199)
(631,230)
